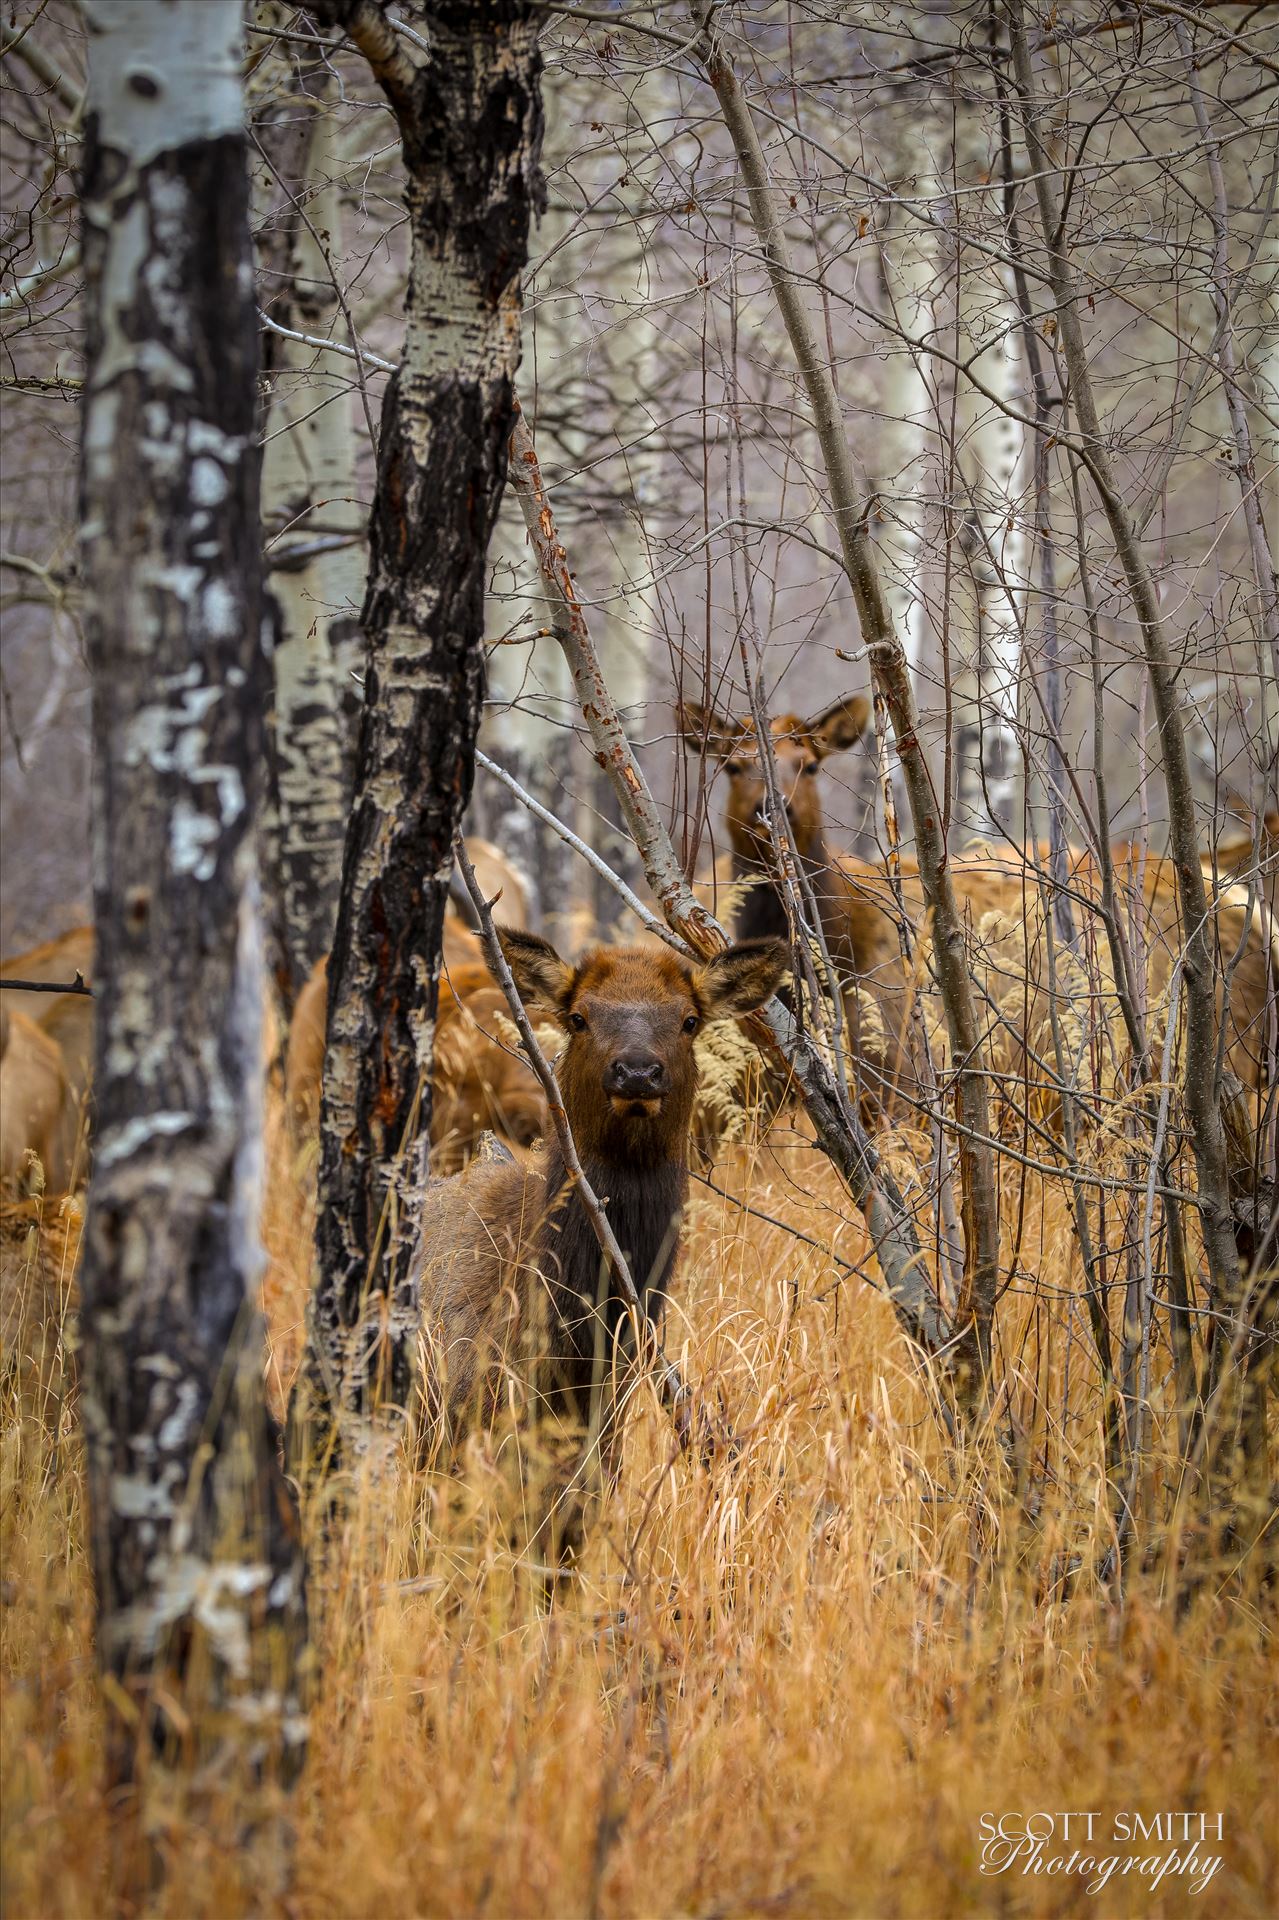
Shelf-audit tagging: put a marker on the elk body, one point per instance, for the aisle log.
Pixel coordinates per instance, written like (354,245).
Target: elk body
(480,1082)
(1004,911)
(38,1111)
(518,1305)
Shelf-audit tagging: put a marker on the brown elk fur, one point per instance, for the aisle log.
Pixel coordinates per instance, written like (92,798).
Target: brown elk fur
(58,960)
(481,1083)
(69,1020)
(38,1114)
(511,1268)
(498,879)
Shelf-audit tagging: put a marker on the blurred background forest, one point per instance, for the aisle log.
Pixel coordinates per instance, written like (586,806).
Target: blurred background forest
(664,402)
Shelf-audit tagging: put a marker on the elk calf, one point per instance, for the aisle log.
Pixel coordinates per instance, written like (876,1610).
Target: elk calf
(516,1299)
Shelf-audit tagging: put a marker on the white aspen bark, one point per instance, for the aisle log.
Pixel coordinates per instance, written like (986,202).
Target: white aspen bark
(632,618)
(906,471)
(198,1562)
(309,491)
(634,354)
(527,727)
(991,452)
(529,709)
(998,453)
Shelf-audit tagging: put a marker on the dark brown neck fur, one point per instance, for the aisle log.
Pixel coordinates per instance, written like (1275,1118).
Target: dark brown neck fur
(763,911)
(644,1205)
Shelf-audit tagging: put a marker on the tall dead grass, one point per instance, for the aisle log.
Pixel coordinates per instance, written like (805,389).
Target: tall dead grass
(786,1684)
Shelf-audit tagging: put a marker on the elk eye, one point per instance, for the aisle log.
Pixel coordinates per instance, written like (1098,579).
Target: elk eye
(810,767)
(577,1022)
(693,1022)
(732,768)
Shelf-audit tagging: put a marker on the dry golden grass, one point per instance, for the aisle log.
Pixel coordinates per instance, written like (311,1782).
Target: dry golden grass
(786,1685)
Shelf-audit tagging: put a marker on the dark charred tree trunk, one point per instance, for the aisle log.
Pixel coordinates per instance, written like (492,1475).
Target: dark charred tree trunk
(470,122)
(196,1550)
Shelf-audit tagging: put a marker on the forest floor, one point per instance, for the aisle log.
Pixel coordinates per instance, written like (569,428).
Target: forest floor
(804,1681)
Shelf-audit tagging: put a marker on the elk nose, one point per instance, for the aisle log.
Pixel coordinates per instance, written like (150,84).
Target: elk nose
(635,1076)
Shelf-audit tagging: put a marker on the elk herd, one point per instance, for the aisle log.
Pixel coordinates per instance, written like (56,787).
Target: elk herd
(520,1310)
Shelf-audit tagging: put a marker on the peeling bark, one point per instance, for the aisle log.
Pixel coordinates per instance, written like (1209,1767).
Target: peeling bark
(309,489)
(470,122)
(198,1561)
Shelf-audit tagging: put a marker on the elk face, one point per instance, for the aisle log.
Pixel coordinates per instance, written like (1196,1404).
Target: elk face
(631,1016)
(799,748)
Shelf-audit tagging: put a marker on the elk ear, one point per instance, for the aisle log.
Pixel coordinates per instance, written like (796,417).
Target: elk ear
(841,726)
(706,731)
(744,978)
(543,979)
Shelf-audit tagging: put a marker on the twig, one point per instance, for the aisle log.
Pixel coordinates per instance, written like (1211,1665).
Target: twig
(46,71)
(326,346)
(979,1187)
(839,1133)
(23,291)
(49,986)
(646,918)
(783,1226)
(327,257)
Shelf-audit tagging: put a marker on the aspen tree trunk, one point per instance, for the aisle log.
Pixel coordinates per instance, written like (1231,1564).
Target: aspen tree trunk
(634,355)
(910,267)
(197,1558)
(528,715)
(470,122)
(309,506)
(990,448)
(892,679)
(527,731)
(987,763)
